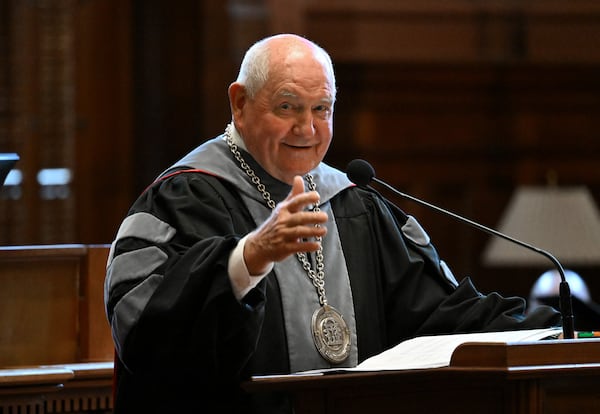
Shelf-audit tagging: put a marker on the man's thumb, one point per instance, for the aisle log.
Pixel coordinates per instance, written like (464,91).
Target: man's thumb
(297,186)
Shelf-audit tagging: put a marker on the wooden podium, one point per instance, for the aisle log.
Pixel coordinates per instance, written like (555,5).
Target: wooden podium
(557,376)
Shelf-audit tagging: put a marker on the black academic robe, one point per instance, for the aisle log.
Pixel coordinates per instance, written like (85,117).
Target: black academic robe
(194,342)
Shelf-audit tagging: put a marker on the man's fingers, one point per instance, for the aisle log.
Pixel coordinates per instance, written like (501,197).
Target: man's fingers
(300,202)
(305,232)
(305,247)
(290,228)
(298,198)
(306,218)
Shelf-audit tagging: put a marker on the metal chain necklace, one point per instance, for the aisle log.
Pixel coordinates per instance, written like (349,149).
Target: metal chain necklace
(329,330)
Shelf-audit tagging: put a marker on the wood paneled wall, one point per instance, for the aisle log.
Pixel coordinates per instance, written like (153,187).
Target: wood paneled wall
(460,102)
(455,102)
(65,102)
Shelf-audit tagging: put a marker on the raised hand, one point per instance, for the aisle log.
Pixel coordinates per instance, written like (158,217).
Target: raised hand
(288,230)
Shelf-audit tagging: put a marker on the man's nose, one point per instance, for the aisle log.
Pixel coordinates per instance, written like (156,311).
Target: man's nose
(305,125)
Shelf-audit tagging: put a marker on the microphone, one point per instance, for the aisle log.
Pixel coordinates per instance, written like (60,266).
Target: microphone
(361,173)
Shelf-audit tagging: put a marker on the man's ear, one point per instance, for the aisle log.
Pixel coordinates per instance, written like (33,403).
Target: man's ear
(237,99)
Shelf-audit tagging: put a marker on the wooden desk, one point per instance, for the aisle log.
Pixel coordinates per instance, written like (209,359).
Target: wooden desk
(482,378)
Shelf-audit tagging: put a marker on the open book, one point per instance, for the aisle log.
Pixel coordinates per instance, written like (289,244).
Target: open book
(436,351)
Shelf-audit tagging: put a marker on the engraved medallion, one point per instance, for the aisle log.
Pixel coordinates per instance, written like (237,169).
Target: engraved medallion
(331,334)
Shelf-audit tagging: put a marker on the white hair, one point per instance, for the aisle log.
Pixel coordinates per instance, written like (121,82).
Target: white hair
(254,70)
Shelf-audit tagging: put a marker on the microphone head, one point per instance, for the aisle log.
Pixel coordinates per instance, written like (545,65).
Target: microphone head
(360,172)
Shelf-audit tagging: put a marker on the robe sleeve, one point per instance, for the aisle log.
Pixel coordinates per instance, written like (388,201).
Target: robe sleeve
(168,294)
(405,289)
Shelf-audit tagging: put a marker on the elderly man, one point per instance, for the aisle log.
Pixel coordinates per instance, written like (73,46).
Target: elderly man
(251,256)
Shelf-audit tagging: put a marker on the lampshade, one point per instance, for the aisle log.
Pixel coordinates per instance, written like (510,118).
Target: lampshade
(561,220)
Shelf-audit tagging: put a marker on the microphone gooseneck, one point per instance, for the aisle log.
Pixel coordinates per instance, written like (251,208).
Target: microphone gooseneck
(361,173)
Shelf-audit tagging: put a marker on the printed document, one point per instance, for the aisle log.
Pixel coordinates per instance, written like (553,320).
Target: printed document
(436,351)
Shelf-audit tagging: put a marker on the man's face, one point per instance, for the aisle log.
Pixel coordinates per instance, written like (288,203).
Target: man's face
(288,125)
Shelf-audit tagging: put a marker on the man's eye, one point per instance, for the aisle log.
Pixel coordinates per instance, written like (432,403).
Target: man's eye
(322,110)
(285,106)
